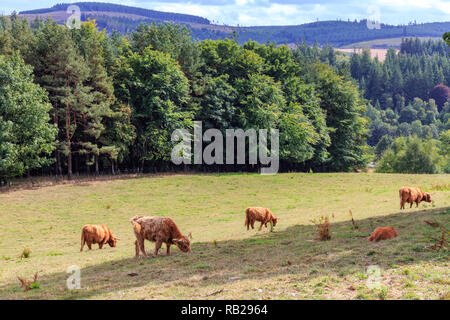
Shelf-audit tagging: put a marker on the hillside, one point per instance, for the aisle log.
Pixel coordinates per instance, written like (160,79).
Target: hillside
(337,33)
(385,43)
(227,261)
(115,10)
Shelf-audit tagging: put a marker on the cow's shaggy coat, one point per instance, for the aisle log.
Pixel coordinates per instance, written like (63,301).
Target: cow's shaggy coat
(412,195)
(100,234)
(383,233)
(263,215)
(160,230)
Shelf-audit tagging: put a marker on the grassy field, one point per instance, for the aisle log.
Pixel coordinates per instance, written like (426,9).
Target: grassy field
(387,43)
(227,261)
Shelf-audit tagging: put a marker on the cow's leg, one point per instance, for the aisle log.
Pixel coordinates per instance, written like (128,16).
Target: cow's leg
(260,227)
(157,247)
(141,246)
(89,244)
(253,224)
(136,248)
(100,245)
(83,241)
(168,249)
(410,205)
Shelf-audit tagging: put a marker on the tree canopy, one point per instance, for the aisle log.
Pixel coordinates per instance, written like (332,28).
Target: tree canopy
(85,101)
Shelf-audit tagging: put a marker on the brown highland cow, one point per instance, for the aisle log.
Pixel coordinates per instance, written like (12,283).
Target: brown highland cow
(159,230)
(383,233)
(412,195)
(100,234)
(263,215)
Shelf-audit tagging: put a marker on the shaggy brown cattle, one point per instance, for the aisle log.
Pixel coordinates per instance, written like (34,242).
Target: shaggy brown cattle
(97,234)
(263,215)
(412,195)
(159,230)
(383,233)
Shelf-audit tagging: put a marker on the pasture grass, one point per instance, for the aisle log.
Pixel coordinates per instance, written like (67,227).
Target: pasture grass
(289,263)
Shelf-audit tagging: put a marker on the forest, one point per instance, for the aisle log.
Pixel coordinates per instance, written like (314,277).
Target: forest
(126,19)
(111,7)
(83,101)
(335,33)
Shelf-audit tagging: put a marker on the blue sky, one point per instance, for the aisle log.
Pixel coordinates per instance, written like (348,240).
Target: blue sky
(277,12)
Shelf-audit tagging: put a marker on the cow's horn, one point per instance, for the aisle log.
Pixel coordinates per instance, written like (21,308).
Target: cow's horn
(189,235)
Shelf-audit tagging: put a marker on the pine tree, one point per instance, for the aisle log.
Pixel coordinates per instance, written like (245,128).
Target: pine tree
(62,71)
(95,113)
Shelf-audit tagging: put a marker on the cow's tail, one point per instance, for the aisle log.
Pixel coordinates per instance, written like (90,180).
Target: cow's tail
(136,226)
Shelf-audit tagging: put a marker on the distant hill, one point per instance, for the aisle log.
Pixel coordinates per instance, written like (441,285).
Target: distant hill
(100,8)
(336,33)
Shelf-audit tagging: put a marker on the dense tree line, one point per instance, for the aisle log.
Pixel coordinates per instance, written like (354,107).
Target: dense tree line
(407,96)
(409,105)
(335,33)
(108,103)
(408,93)
(125,19)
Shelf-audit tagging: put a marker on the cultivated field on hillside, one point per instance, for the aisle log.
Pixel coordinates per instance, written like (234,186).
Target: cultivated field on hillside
(385,43)
(379,46)
(374,53)
(227,261)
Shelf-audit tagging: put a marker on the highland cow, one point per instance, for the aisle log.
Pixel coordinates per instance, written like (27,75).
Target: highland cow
(100,234)
(383,233)
(412,195)
(262,215)
(159,230)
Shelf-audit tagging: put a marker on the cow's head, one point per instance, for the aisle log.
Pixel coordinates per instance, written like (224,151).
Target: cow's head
(184,243)
(112,242)
(427,197)
(274,221)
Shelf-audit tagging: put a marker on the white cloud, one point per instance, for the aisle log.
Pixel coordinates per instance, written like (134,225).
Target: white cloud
(277,12)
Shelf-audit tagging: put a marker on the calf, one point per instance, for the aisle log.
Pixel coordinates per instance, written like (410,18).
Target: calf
(159,230)
(97,234)
(264,215)
(412,195)
(383,233)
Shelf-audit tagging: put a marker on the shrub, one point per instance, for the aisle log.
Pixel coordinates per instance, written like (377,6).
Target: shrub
(323,227)
(411,155)
(26,253)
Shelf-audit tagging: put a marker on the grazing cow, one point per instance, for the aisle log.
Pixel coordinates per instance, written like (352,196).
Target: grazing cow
(383,233)
(263,215)
(412,195)
(159,230)
(97,234)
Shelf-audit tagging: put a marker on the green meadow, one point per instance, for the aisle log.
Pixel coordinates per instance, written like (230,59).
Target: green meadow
(227,261)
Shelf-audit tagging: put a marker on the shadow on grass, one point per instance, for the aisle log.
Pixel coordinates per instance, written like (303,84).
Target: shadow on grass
(291,251)
(20,184)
